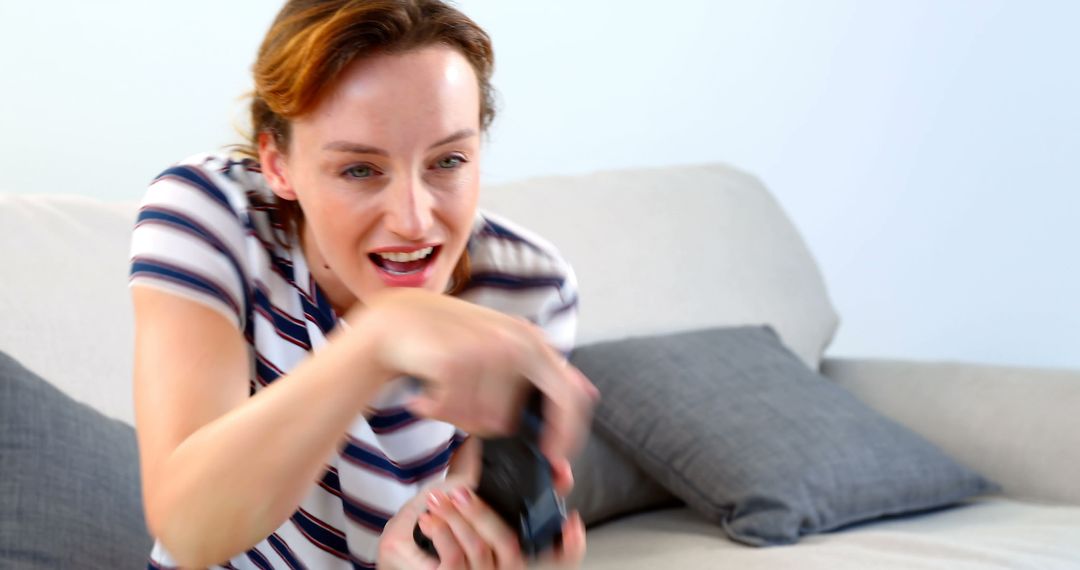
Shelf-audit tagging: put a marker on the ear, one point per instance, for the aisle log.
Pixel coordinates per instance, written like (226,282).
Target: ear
(274,167)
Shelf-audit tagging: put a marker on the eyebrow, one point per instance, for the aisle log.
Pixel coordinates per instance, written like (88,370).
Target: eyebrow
(358,148)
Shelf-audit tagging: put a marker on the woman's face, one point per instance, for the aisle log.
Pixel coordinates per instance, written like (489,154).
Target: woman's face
(386,171)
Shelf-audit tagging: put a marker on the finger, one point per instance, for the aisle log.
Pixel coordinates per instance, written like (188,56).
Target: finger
(491,528)
(566,425)
(410,556)
(571,551)
(477,553)
(562,476)
(450,554)
(569,400)
(398,550)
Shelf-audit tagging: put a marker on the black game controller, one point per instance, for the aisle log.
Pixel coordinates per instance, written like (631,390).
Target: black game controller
(515,481)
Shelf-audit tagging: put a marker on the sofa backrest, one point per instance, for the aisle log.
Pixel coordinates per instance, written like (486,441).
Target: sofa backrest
(654,251)
(64,306)
(676,248)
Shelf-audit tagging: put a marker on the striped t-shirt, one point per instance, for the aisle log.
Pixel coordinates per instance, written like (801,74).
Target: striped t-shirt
(206,230)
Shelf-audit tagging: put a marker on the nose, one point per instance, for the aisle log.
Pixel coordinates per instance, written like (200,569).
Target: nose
(407,208)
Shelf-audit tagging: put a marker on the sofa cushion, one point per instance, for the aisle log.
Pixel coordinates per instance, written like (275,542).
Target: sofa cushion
(989,534)
(69,481)
(1017,425)
(733,423)
(64,299)
(679,248)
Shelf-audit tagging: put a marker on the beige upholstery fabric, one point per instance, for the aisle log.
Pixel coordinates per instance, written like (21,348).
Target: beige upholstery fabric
(678,248)
(655,251)
(988,535)
(64,302)
(1018,427)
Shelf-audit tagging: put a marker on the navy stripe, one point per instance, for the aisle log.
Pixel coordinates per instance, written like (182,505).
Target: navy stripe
(563,308)
(247,163)
(321,314)
(285,552)
(194,178)
(385,421)
(364,515)
(260,293)
(326,310)
(359,564)
(143,267)
(268,208)
(277,263)
(331,482)
(264,371)
(286,327)
(355,452)
(321,534)
(502,232)
(283,266)
(150,214)
(513,282)
(259,560)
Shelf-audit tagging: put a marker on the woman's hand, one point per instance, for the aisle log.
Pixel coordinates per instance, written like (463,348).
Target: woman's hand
(477,365)
(467,534)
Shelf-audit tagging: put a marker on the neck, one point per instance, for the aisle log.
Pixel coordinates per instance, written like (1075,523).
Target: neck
(341,299)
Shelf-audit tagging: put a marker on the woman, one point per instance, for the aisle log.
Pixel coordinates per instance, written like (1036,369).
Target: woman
(283,303)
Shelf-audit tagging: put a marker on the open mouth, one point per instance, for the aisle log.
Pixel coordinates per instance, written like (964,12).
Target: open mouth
(401,263)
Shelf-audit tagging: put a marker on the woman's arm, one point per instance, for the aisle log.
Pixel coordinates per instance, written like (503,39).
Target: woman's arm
(467,533)
(220,470)
(196,423)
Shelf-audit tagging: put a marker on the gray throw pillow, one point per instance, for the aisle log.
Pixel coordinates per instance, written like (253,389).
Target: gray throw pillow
(69,481)
(608,484)
(733,423)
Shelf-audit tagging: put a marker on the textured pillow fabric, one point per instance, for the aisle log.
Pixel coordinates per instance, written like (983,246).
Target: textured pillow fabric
(608,484)
(733,423)
(69,481)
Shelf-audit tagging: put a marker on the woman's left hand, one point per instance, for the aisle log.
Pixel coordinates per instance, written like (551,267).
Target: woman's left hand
(467,533)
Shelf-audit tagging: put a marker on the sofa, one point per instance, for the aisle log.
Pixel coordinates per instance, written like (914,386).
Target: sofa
(656,252)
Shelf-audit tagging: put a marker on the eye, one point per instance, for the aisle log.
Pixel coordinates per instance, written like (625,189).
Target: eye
(359,171)
(450,162)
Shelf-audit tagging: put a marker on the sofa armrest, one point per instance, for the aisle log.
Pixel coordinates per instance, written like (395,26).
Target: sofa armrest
(1019,427)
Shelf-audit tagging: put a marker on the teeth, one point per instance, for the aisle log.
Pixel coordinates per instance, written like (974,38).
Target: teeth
(402,257)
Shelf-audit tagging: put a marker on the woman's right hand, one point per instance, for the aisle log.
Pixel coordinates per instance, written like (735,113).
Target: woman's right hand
(476,365)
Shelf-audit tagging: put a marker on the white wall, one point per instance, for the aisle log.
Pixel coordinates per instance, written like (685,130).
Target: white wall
(927,149)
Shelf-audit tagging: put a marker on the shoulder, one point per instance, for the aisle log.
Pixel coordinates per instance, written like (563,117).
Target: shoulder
(224,180)
(499,245)
(222,190)
(516,271)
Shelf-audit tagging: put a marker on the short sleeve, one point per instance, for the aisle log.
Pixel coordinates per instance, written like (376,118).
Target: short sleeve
(189,240)
(557,315)
(516,271)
